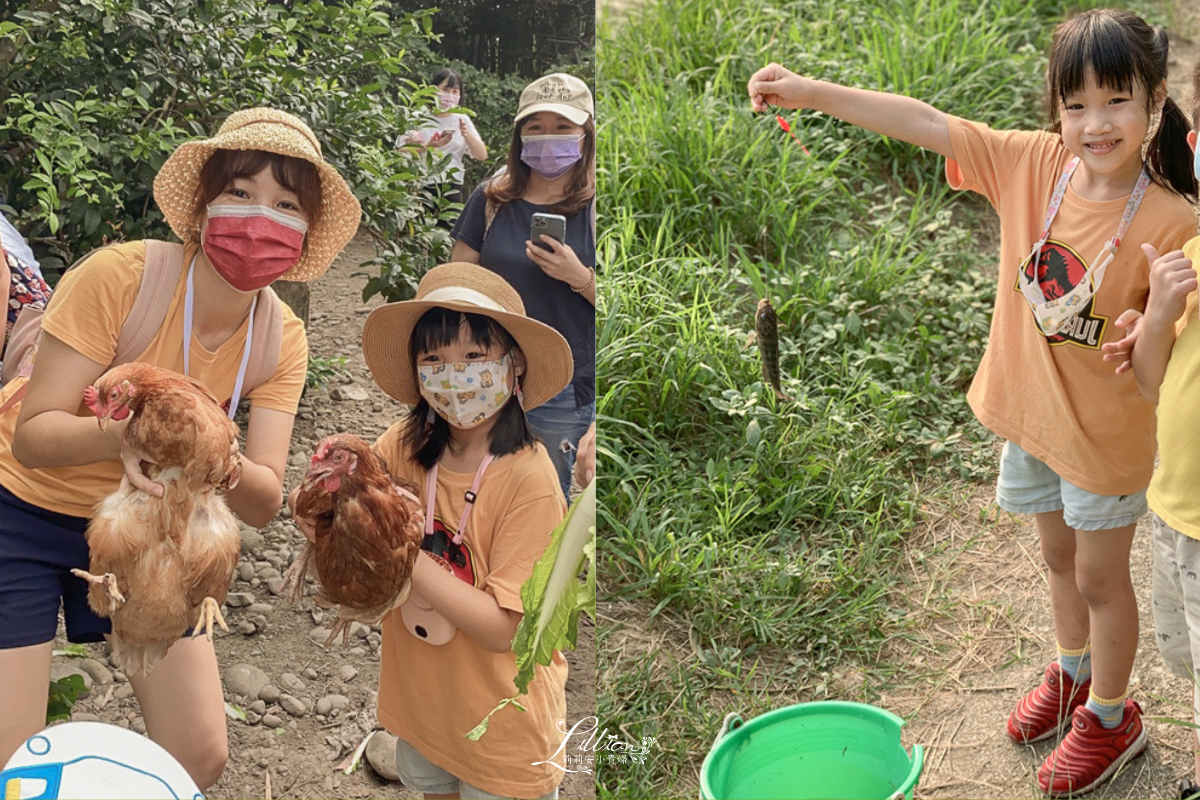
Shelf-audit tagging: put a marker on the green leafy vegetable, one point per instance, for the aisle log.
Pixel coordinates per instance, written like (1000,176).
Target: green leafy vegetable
(553,597)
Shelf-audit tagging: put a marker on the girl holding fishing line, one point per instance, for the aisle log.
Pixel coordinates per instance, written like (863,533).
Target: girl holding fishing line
(470,362)
(1075,203)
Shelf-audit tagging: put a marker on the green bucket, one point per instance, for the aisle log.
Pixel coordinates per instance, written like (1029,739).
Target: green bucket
(825,750)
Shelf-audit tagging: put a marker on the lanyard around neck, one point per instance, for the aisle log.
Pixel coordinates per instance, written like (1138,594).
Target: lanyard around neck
(471,494)
(189,303)
(1095,273)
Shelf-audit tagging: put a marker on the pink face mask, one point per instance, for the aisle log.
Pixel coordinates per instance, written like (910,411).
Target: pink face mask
(251,246)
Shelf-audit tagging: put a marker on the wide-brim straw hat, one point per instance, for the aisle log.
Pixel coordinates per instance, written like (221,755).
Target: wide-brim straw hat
(472,289)
(271,131)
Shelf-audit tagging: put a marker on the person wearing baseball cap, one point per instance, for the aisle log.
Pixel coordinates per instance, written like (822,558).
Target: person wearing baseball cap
(253,203)
(551,170)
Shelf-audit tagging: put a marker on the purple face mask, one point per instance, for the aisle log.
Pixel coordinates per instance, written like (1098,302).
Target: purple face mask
(551,156)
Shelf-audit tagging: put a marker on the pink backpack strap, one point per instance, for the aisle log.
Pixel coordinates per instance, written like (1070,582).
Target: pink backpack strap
(164,269)
(267,343)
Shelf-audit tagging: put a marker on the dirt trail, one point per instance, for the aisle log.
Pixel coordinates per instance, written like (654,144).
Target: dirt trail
(335,687)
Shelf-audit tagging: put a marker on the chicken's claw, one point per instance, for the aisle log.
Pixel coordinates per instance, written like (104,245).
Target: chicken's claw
(210,612)
(108,581)
(341,626)
(293,578)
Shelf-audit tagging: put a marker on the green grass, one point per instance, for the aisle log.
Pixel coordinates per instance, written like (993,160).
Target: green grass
(773,532)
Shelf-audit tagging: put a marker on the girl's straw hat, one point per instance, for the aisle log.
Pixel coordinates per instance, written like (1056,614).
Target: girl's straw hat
(474,290)
(271,131)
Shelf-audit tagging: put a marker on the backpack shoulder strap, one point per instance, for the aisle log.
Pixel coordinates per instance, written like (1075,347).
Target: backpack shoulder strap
(267,342)
(164,268)
(490,209)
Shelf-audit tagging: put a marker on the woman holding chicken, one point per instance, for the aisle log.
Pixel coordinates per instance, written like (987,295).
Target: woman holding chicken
(254,203)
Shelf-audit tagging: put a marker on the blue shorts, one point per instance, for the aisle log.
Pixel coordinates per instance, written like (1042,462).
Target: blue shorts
(1027,486)
(419,773)
(38,549)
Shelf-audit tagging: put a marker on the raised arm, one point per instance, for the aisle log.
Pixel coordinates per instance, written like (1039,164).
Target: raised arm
(1172,279)
(891,115)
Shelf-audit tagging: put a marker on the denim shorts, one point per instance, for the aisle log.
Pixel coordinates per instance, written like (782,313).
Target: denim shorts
(560,424)
(38,549)
(1027,486)
(418,772)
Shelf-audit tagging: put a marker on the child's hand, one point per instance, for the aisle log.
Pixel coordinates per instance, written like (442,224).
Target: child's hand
(1172,279)
(1121,351)
(774,85)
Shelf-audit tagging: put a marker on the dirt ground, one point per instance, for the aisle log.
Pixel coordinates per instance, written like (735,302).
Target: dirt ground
(300,751)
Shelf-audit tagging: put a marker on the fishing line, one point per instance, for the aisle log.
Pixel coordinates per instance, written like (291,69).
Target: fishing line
(787,128)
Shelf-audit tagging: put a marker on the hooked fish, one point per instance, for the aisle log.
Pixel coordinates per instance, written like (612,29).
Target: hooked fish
(766,329)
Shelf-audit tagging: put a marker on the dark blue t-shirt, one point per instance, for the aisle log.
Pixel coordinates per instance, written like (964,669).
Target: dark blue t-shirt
(547,300)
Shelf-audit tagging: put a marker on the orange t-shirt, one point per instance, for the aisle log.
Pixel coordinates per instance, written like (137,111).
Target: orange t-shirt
(432,695)
(1054,395)
(87,311)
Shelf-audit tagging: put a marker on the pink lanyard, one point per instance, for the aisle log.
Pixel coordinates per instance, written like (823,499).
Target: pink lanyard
(471,494)
(1030,286)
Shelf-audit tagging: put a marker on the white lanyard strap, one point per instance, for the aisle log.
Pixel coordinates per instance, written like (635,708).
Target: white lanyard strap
(471,494)
(189,302)
(1095,273)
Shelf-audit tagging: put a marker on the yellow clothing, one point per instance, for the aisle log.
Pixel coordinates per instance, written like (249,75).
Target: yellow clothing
(1172,494)
(431,696)
(86,313)
(1054,395)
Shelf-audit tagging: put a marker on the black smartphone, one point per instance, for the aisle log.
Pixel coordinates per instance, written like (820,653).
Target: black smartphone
(553,225)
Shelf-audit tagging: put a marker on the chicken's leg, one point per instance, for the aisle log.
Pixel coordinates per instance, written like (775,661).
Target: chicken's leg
(293,578)
(210,611)
(108,581)
(341,626)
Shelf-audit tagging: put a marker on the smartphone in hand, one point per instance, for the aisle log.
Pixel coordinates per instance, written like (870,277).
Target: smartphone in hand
(553,225)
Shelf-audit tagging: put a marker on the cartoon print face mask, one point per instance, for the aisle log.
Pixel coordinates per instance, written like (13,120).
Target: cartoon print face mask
(466,394)
(1052,314)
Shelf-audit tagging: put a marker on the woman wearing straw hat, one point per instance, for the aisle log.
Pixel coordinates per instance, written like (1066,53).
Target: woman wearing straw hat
(551,168)
(252,204)
(464,354)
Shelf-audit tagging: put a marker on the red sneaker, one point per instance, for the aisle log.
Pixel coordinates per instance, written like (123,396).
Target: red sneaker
(1046,710)
(1090,753)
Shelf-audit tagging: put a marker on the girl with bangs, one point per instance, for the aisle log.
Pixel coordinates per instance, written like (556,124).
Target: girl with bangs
(470,364)
(1074,204)
(253,204)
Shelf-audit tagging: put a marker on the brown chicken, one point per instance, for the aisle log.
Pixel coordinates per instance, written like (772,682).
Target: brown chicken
(162,565)
(369,529)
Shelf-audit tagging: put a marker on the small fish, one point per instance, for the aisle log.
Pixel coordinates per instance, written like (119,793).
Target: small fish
(766,326)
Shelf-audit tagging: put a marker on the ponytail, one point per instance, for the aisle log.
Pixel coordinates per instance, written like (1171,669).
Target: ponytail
(1168,156)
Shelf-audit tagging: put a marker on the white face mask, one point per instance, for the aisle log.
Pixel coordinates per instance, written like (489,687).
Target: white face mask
(466,394)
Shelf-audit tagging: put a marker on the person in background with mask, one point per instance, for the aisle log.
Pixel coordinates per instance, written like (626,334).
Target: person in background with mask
(447,133)
(254,203)
(551,169)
